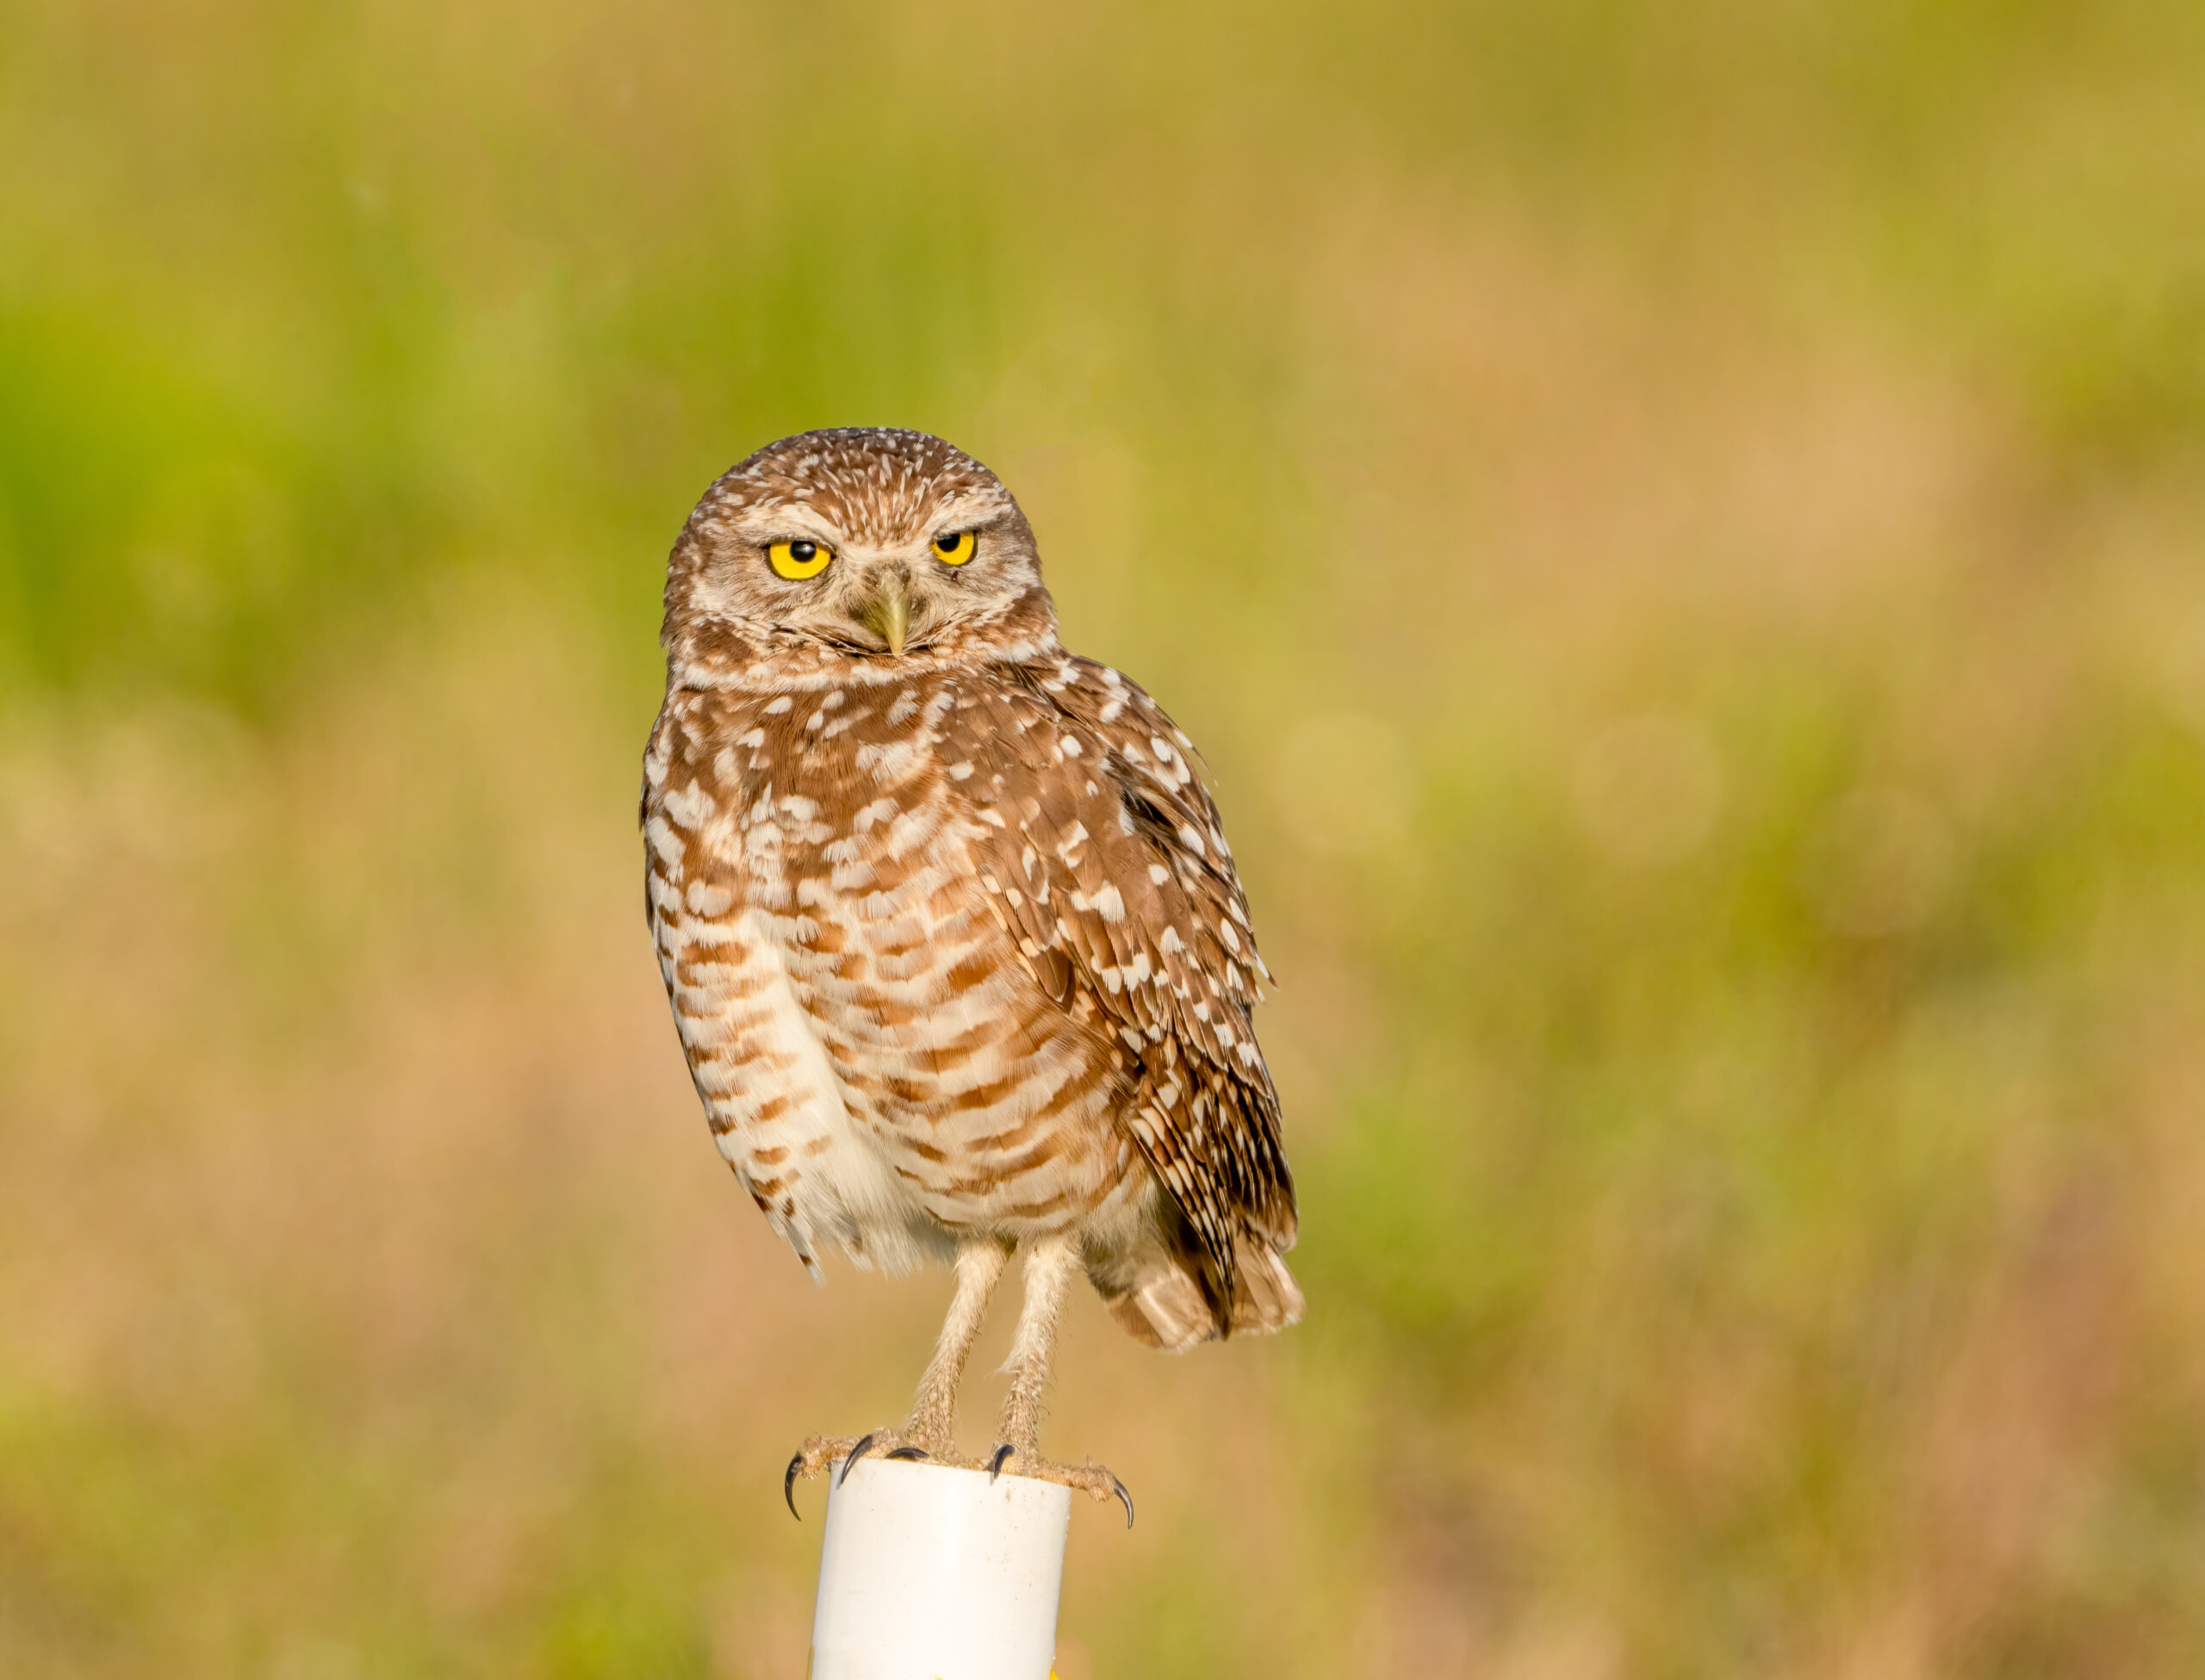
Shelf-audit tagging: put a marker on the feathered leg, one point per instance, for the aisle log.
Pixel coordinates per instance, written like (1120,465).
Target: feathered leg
(1052,1262)
(933,1424)
(1050,1265)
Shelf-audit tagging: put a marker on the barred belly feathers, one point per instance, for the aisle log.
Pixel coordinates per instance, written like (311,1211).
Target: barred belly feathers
(955,946)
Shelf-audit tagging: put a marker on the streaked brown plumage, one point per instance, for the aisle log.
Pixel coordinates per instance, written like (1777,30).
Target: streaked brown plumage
(955,944)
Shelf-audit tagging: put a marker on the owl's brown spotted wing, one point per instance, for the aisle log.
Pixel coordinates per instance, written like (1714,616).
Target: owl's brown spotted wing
(1106,859)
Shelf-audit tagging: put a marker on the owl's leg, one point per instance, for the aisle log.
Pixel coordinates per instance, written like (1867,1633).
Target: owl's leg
(932,1423)
(931,1430)
(1052,1263)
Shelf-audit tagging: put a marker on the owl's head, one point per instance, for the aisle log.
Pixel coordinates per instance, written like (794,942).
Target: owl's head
(855,547)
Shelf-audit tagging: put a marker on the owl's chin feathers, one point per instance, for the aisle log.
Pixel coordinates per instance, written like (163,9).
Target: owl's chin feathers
(724,654)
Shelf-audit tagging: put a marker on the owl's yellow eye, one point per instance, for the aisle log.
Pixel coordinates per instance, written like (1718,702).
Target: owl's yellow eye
(955,548)
(797,561)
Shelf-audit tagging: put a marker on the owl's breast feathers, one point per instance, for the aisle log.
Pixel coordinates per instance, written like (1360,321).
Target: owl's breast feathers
(919,866)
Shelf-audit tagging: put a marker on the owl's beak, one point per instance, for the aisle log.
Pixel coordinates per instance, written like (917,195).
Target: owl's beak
(889,613)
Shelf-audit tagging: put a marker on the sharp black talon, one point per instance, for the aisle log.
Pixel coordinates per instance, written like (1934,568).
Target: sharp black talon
(908,1452)
(857,1452)
(995,1464)
(1118,1488)
(788,1485)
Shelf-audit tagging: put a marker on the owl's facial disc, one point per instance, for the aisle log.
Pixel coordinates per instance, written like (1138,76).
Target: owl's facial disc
(862,598)
(872,545)
(888,593)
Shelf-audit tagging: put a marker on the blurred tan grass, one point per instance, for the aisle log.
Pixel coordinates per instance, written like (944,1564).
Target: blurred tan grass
(1678,531)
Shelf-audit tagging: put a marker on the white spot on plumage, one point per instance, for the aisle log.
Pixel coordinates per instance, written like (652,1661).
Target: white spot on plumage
(908,830)
(708,898)
(687,807)
(888,761)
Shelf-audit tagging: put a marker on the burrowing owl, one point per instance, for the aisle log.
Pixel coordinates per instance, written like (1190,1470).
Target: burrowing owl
(955,944)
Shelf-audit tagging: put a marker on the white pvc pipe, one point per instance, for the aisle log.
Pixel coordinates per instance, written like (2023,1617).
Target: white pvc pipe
(926,1570)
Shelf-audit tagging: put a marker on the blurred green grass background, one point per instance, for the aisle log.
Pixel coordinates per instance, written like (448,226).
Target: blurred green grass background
(1680,531)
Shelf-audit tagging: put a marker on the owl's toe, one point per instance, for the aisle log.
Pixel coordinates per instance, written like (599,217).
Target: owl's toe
(1090,1479)
(864,1446)
(818,1455)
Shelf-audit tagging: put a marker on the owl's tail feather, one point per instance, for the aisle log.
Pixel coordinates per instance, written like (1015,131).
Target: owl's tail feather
(1167,1308)
(1268,1298)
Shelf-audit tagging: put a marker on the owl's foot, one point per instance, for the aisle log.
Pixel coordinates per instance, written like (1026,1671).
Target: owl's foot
(819,1454)
(1090,1479)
